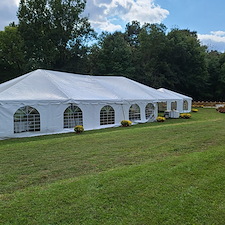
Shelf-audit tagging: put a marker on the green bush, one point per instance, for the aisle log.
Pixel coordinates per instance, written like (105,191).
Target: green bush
(126,123)
(79,129)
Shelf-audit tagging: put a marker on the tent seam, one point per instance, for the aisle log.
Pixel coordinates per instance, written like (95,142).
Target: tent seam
(119,97)
(54,83)
(157,99)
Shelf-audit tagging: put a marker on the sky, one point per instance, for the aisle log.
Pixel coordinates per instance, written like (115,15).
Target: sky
(206,17)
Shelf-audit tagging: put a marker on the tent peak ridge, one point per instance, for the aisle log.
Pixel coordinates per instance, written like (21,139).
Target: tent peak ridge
(164,90)
(48,76)
(58,73)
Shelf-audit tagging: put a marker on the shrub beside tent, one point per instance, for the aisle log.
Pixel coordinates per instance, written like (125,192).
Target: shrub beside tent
(47,102)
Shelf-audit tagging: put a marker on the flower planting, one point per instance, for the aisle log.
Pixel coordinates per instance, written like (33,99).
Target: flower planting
(78,129)
(160,119)
(126,123)
(194,110)
(198,106)
(185,115)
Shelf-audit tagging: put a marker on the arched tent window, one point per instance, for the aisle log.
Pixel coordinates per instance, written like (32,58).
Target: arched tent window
(174,105)
(134,112)
(185,105)
(162,106)
(73,116)
(107,115)
(26,119)
(149,111)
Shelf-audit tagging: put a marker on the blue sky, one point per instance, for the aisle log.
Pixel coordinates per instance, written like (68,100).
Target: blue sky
(204,16)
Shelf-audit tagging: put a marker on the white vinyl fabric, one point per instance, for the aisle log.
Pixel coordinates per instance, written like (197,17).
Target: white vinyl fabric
(180,100)
(44,85)
(50,93)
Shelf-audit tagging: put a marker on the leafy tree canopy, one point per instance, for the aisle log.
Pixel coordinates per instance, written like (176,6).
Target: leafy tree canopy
(53,31)
(12,60)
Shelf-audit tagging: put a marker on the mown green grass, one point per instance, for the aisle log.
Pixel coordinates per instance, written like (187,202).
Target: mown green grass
(155,173)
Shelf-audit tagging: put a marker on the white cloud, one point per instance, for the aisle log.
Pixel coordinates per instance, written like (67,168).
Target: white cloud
(16,2)
(145,11)
(102,12)
(211,37)
(106,25)
(215,40)
(218,33)
(8,9)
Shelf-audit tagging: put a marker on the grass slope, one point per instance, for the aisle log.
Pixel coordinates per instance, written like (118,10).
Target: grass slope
(155,173)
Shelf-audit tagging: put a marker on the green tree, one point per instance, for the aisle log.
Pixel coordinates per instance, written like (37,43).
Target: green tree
(111,56)
(132,32)
(12,60)
(153,56)
(54,31)
(132,37)
(214,71)
(219,85)
(187,60)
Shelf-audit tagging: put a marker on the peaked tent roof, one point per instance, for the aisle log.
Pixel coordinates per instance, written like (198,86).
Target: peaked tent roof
(47,85)
(173,94)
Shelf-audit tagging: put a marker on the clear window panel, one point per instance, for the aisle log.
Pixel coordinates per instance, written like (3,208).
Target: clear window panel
(185,105)
(134,113)
(26,119)
(73,116)
(173,105)
(107,115)
(149,111)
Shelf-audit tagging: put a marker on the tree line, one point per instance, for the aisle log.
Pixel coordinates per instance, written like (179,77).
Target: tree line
(53,34)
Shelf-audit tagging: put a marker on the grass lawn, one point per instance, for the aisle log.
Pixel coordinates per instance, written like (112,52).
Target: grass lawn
(155,173)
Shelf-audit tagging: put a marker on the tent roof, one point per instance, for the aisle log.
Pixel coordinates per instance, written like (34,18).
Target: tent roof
(173,94)
(47,85)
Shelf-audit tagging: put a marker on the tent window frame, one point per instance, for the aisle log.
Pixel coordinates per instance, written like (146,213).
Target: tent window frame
(72,116)
(107,115)
(149,111)
(174,105)
(185,105)
(26,119)
(134,112)
(162,106)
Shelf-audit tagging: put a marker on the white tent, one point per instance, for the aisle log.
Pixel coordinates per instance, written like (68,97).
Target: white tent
(45,102)
(182,104)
